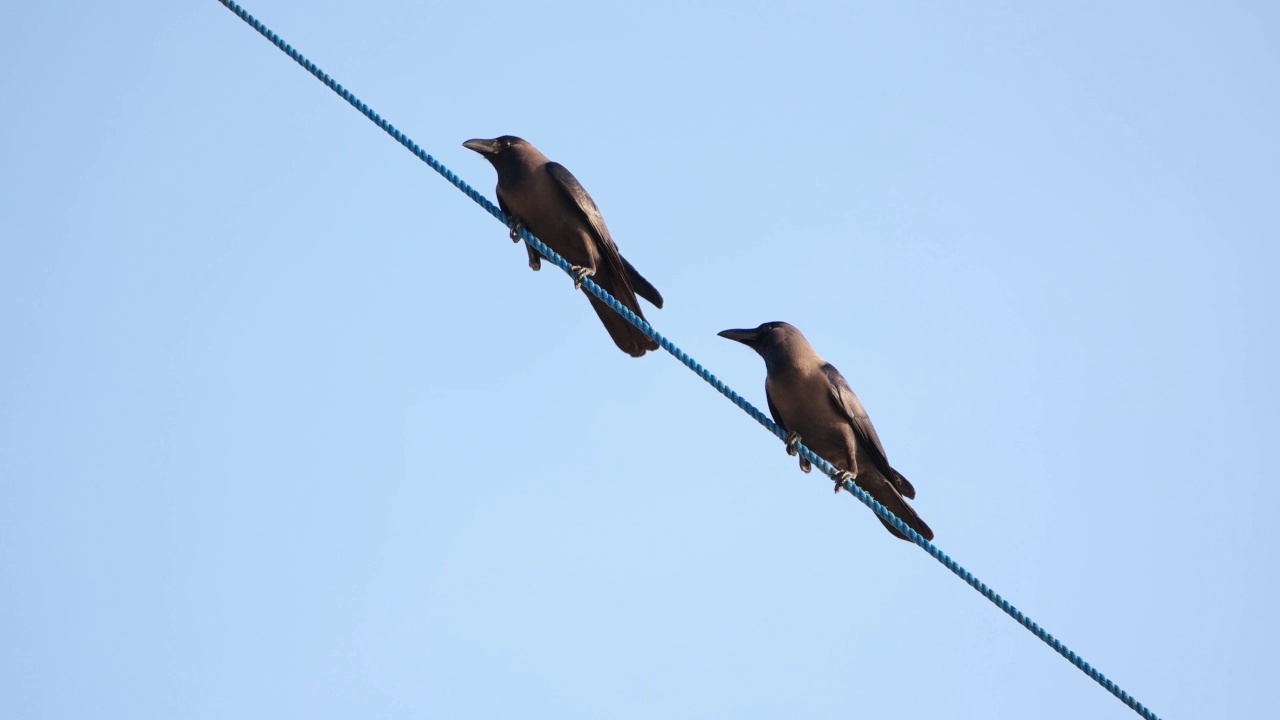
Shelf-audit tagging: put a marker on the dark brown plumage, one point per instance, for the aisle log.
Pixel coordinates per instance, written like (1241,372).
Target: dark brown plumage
(547,199)
(810,400)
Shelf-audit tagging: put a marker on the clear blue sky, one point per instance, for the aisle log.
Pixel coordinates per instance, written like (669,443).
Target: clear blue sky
(288,429)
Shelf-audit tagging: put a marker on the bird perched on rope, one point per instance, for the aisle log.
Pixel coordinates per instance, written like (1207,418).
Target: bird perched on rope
(810,400)
(548,200)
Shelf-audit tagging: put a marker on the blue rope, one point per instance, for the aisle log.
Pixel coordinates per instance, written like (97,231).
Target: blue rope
(696,367)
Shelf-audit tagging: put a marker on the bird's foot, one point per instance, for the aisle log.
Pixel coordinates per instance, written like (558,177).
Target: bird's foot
(805,465)
(792,439)
(579,274)
(841,477)
(535,260)
(516,225)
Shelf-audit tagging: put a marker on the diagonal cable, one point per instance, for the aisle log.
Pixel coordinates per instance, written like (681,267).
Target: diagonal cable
(696,367)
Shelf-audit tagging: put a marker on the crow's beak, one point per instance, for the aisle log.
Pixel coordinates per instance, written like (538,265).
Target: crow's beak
(746,337)
(484,147)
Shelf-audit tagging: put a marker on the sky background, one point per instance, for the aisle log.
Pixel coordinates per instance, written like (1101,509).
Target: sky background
(288,428)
